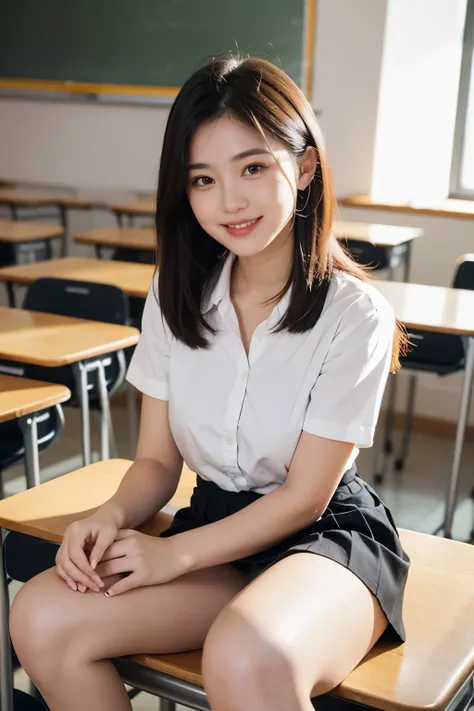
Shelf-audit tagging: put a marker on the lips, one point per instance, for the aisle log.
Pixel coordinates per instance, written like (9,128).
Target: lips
(242,228)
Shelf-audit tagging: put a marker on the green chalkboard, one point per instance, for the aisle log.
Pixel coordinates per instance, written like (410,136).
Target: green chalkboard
(147,43)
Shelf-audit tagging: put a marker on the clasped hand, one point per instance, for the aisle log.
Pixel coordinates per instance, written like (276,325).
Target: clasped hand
(94,549)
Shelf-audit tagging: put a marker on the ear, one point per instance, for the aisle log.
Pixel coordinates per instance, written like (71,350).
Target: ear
(307,165)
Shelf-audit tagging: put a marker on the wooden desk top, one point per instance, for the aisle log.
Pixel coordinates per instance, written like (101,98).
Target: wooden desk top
(432,308)
(129,237)
(144,238)
(133,278)
(50,340)
(379,235)
(145,206)
(450,207)
(438,609)
(13,196)
(18,231)
(22,396)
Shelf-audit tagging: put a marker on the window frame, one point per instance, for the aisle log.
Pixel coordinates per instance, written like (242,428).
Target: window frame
(456,190)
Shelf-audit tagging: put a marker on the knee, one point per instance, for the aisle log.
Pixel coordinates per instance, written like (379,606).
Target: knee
(240,662)
(39,629)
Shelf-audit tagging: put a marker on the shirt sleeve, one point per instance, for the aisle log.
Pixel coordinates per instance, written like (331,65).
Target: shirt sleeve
(149,368)
(346,397)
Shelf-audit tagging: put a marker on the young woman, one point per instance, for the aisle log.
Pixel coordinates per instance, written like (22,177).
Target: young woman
(262,363)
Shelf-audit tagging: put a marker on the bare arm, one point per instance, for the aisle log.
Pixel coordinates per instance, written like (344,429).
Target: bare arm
(153,478)
(316,469)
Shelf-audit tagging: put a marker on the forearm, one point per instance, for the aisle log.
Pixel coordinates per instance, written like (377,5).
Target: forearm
(271,518)
(145,489)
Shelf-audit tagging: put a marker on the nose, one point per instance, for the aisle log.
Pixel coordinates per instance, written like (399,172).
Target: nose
(233,197)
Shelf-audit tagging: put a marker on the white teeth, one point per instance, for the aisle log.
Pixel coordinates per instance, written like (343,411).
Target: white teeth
(244,224)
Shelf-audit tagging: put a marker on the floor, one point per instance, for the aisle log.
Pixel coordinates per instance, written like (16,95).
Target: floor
(416,496)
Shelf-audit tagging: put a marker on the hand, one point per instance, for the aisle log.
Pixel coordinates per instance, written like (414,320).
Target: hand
(147,560)
(82,548)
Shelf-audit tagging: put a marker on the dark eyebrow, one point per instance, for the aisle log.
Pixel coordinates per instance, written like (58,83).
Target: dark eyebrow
(239,156)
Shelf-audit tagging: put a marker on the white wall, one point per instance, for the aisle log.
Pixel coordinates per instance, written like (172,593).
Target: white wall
(103,148)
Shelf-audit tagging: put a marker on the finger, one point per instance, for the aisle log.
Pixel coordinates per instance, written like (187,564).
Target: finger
(104,540)
(79,558)
(69,581)
(115,566)
(124,533)
(78,576)
(129,583)
(81,588)
(118,549)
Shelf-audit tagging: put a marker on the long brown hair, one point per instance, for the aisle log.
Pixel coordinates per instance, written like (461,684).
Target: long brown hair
(260,95)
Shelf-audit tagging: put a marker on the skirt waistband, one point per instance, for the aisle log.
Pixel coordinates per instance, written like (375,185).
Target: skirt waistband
(211,490)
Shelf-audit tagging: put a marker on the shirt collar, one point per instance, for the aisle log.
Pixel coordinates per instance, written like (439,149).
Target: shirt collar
(219,287)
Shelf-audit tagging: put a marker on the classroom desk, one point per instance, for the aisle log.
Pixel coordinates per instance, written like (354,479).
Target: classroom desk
(133,238)
(21,397)
(52,341)
(15,199)
(25,242)
(443,310)
(145,207)
(133,278)
(391,244)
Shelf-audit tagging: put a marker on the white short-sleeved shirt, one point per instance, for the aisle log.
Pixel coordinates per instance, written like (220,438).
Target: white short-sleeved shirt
(237,420)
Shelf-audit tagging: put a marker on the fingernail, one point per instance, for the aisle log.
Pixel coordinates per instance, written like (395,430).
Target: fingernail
(93,564)
(108,593)
(100,583)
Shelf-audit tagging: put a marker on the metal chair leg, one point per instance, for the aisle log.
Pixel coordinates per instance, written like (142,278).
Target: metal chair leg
(385,446)
(400,460)
(30,437)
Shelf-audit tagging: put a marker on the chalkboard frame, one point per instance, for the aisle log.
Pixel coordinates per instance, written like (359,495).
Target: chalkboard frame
(129,93)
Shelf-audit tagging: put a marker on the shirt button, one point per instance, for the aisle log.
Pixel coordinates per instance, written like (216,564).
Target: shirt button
(229,441)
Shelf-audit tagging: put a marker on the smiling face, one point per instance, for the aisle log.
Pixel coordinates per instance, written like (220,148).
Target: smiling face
(237,190)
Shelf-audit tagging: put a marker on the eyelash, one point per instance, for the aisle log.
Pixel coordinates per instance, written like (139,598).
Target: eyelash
(194,181)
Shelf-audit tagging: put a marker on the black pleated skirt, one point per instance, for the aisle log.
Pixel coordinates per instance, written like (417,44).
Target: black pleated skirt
(356,530)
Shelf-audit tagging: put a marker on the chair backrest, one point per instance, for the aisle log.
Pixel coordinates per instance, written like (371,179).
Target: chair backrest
(442,352)
(464,277)
(82,299)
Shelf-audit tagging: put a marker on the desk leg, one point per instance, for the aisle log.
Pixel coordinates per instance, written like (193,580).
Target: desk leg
(105,416)
(30,437)
(460,433)
(132,419)
(10,294)
(80,374)
(64,222)
(406,271)
(6,672)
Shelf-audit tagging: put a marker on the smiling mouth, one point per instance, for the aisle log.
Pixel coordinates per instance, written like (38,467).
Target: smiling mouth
(241,225)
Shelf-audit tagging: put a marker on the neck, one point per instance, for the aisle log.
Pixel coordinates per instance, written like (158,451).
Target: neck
(263,275)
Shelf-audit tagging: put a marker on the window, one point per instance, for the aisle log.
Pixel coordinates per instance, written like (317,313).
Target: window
(462,167)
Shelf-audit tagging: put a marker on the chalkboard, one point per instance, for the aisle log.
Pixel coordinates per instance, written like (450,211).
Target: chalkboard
(146,46)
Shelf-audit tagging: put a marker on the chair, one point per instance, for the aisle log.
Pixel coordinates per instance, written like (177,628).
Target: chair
(49,422)
(432,671)
(103,374)
(439,353)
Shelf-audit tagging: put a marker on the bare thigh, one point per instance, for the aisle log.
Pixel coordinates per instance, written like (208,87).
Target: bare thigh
(158,619)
